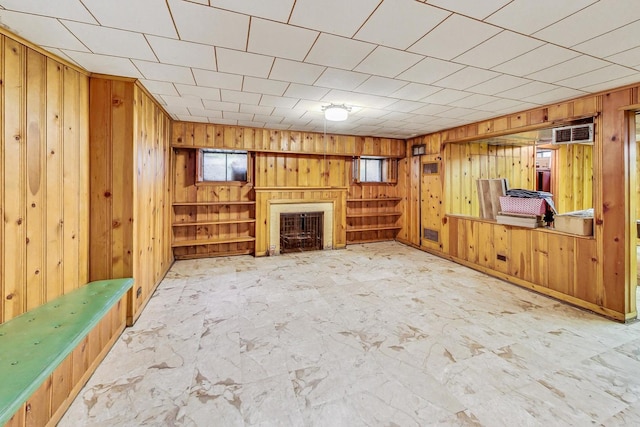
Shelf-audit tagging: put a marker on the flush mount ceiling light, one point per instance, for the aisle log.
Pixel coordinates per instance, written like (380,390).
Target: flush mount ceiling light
(336,112)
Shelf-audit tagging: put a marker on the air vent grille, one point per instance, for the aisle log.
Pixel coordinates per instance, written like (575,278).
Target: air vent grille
(432,235)
(578,134)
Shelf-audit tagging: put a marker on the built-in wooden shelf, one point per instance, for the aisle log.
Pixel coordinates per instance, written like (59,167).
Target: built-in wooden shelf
(202,242)
(229,253)
(228,221)
(373,214)
(378,228)
(384,199)
(213,203)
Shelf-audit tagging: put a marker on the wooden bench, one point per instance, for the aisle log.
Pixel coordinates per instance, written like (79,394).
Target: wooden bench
(47,354)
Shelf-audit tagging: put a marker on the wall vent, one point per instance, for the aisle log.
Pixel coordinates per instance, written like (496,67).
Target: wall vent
(432,235)
(576,134)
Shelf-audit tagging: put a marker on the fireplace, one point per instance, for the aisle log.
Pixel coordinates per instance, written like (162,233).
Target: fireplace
(279,207)
(301,231)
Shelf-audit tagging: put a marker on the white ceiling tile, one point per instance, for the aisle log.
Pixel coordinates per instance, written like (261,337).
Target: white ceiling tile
(240,97)
(400,23)
(397,115)
(474,8)
(567,69)
(41,30)
(190,118)
(159,88)
(278,102)
(313,109)
(374,113)
(622,81)
(610,43)
(176,110)
(445,96)
(473,101)
(251,123)
(538,59)
(250,64)
(313,93)
(501,104)
(180,101)
(266,118)
(105,64)
(527,17)
(457,112)
(256,109)
(527,90)
(340,79)
(207,25)
(498,49)
(210,93)
(64,9)
(522,106)
(266,86)
(375,85)
(144,16)
(236,116)
(289,113)
(339,17)
(186,54)
(597,19)
(276,39)
(202,112)
(599,76)
(358,99)
(415,91)
(218,80)
(432,109)
(447,40)
(221,106)
(499,84)
(430,70)
(554,95)
(277,10)
(109,41)
(228,122)
(387,62)
(467,77)
(163,72)
(339,52)
(279,126)
(292,71)
(629,58)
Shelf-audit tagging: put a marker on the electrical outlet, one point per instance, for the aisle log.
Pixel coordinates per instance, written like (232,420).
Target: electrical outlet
(501,257)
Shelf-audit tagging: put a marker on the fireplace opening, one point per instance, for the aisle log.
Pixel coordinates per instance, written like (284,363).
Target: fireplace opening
(301,231)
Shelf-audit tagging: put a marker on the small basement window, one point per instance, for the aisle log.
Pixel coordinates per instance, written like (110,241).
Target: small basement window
(222,166)
(375,170)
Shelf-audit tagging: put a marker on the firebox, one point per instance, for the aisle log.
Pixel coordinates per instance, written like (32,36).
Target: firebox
(301,231)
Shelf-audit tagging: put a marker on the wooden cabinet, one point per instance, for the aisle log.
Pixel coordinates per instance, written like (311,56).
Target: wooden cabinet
(373,219)
(221,227)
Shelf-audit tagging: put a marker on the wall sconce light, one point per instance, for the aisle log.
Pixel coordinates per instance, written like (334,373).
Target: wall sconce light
(336,112)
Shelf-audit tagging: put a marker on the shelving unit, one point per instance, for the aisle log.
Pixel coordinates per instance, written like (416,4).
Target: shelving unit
(372,219)
(216,228)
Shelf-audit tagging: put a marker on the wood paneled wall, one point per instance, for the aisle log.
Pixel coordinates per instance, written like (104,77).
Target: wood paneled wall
(467,162)
(309,167)
(202,135)
(44,178)
(595,272)
(130,188)
(573,177)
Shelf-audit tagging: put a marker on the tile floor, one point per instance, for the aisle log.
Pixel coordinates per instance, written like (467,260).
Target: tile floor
(374,335)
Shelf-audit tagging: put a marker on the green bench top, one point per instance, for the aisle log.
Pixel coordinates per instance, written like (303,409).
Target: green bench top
(33,344)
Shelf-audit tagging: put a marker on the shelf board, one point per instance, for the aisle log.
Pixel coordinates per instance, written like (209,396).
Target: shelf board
(373,214)
(381,228)
(214,203)
(229,221)
(202,242)
(385,199)
(355,242)
(214,254)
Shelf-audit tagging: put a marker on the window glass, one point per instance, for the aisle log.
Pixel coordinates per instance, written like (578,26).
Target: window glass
(371,170)
(224,166)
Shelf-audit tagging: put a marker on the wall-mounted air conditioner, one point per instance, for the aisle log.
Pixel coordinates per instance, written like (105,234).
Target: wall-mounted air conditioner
(575,134)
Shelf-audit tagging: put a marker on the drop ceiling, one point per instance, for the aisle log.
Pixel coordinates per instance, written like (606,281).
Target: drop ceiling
(405,67)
